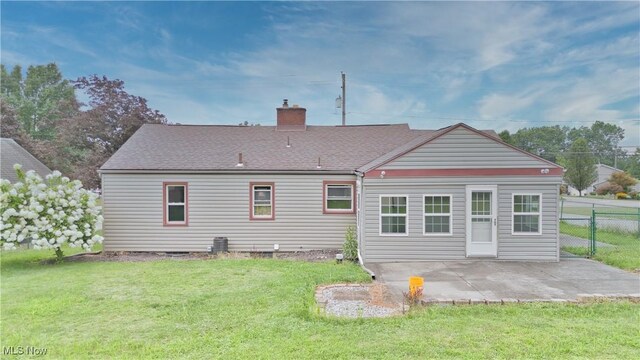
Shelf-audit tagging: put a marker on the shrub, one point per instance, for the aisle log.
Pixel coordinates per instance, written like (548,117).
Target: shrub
(350,246)
(622,195)
(608,188)
(593,193)
(623,179)
(48,213)
(564,189)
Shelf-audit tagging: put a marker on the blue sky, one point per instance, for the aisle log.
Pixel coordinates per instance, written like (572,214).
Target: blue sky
(502,65)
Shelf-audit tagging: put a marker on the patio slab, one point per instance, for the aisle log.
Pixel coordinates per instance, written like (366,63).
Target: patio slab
(495,281)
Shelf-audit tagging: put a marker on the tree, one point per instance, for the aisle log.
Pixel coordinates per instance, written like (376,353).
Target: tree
(11,128)
(632,164)
(624,180)
(90,137)
(40,100)
(9,125)
(603,139)
(49,213)
(545,141)
(581,166)
(505,136)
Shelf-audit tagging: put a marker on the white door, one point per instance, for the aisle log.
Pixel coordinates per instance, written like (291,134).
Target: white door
(482,222)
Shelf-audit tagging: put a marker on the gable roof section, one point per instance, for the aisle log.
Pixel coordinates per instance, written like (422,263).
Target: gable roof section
(428,138)
(609,167)
(12,153)
(196,148)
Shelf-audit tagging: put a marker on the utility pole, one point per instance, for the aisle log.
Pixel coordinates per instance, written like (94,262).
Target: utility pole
(344,99)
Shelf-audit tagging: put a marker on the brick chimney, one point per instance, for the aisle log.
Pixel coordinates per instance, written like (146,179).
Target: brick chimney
(291,118)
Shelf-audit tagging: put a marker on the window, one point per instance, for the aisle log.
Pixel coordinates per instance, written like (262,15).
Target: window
(338,197)
(393,215)
(526,214)
(175,204)
(437,215)
(261,201)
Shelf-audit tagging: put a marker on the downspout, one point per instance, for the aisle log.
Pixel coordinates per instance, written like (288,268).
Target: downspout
(359,220)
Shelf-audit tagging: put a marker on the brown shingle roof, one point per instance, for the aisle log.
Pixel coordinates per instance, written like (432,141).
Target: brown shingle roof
(11,153)
(216,147)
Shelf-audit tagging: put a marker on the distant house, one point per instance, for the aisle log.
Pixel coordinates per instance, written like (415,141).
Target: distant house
(413,195)
(604,173)
(12,153)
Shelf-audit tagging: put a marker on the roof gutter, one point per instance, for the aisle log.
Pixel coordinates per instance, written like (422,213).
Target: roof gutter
(234,171)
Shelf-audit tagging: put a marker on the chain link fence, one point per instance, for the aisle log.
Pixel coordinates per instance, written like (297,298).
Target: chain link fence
(576,237)
(586,228)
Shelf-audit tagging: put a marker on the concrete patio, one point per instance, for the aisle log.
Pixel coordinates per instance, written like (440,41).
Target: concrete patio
(498,281)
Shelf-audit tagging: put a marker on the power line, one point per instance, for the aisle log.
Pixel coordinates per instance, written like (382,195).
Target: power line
(422,117)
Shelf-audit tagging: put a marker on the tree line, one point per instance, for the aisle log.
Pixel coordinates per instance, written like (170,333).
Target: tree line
(40,110)
(554,143)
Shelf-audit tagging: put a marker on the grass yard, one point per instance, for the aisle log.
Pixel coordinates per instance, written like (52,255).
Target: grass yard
(264,308)
(625,255)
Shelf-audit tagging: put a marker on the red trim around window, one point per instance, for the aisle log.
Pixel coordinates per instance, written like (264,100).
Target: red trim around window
(324,196)
(165,221)
(273,201)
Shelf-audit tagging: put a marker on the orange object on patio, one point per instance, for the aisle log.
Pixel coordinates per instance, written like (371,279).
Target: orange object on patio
(416,285)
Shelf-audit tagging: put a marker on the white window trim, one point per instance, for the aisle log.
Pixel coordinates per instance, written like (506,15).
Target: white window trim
(253,202)
(513,215)
(326,200)
(380,233)
(450,214)
(184,204)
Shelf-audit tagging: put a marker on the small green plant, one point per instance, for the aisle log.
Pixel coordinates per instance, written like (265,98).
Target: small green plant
(350,246)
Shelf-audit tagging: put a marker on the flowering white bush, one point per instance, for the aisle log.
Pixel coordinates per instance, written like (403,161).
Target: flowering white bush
(48,213)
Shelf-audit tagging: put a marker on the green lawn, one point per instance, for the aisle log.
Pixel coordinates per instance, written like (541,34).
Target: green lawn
(625,255)
(263,308)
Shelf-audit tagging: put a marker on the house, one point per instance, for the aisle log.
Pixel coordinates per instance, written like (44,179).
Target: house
(413,195)
(12,153)
(604,173)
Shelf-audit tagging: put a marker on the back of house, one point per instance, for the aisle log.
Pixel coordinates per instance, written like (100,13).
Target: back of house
(452,193)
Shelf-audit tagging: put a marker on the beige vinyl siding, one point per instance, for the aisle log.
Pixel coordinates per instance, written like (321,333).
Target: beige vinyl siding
(417,247)
(219,206)
(462,148)
(528,247)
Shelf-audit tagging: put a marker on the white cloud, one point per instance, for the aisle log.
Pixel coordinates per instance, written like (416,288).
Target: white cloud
(586,98)
(511,63)
(495,106)
(54,36)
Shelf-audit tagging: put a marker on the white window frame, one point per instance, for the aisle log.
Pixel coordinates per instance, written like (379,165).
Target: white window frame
(514,213)
(327,210)
(183,204)
(449,214)
(380,215)
(253,202)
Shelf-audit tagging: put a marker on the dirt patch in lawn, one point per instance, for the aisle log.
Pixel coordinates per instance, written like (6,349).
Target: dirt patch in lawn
(310,255)
(357,300)
(132,256)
